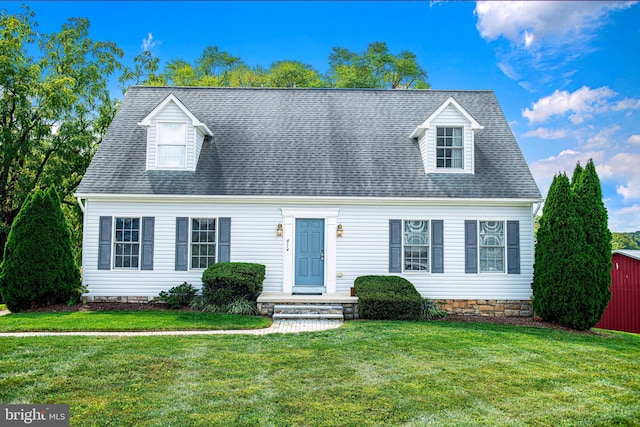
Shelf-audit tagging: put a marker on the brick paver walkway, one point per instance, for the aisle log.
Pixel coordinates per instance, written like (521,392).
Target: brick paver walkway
(280,326)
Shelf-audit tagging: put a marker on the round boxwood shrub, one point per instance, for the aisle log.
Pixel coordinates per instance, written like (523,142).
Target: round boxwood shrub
(387,297)
(224,282)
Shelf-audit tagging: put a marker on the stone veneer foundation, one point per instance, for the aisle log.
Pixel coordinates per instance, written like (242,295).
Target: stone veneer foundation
(470,307)
(486,307)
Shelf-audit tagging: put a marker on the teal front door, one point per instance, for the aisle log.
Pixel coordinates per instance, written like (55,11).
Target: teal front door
(309,252)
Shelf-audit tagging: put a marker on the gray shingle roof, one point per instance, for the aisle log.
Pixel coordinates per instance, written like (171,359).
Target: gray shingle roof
(310,142)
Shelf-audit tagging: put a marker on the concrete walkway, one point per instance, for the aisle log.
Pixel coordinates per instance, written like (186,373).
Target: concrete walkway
(283,326)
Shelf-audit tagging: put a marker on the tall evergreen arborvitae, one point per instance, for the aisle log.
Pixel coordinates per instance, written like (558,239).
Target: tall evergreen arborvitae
(576,175)
(38,267)
(560,259)
(593,215)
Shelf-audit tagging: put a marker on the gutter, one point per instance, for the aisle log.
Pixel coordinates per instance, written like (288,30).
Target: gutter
(82,207)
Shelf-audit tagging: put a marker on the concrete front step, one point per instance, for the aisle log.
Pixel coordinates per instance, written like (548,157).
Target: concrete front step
(269,301)
(325,316)
(308,311)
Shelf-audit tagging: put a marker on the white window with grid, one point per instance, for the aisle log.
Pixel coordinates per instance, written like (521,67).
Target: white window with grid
(203,242)
(172,144)
(126,243)
(415,244)
(449,148)
(492,246)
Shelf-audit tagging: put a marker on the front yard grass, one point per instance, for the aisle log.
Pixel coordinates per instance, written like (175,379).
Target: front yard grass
(3,307)
(138,320)
(364,374)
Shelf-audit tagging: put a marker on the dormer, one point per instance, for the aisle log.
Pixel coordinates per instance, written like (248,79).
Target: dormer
(174,136)
(446,139)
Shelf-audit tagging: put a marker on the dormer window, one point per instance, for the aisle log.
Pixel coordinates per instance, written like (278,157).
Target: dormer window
(446,140)
(449,148)
(172,144)
(174,136)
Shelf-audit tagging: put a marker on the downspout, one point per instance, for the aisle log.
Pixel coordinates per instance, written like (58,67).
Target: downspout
(534,212)
(82,207)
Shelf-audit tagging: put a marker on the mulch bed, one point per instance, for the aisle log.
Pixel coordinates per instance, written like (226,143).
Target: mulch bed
(520,321)
(111,306)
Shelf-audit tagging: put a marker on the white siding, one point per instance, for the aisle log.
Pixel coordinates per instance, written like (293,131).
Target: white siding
(198,148)
(172,113)
(364,248)
(449,117)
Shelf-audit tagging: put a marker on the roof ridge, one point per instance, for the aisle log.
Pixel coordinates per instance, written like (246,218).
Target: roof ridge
(311,89)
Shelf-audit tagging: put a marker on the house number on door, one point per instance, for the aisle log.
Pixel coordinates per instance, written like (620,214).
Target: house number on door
(287,245)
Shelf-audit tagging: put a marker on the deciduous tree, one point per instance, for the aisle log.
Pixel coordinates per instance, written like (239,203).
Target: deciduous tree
(54,107)
(292,74)
(376,67)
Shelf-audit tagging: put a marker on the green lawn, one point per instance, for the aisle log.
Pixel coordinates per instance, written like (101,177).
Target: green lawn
(3,307)
(128,321)
(363,374)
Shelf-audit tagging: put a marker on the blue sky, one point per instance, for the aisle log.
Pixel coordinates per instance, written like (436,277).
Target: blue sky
(567,74)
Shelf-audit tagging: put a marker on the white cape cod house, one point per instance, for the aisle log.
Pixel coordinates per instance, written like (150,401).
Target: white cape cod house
(319,185)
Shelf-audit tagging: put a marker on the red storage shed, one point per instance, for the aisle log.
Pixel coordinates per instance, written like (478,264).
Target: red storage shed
(623,311)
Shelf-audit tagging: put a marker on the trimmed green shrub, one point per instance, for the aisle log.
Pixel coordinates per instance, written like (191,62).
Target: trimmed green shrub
(225,282)
(38,267)
(178,296)
(387,297)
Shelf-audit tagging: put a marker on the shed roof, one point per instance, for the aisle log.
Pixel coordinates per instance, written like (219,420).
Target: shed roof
(631,253)
(310,142)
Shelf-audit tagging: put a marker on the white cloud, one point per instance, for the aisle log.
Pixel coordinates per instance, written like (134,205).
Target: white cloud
(148,42)
(544,133)
(625,219)
(623,169)
(538,39)
(508,71)
(626,104)
(544,170)
(582,103)
(604,138)
(634,139)
(619,170)
(527,21)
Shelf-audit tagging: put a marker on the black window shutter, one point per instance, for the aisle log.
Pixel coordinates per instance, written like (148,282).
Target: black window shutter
(437,246)
(146,256)
(395,246)
(182,244)
(224,239)
(104,243)
(470,246)
(513,247)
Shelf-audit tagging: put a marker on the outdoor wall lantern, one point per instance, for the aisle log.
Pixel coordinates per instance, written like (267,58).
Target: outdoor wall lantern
(339,230)
(279,230)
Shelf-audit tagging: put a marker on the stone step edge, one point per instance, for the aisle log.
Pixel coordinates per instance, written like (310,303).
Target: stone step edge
(307,316)
(307,307)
